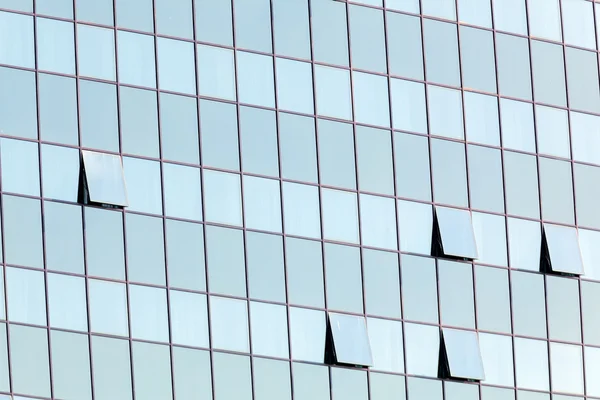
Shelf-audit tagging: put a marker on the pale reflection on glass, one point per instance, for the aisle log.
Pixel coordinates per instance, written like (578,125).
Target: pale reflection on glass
(175,60)
(262,204)
(340,215)
(445,112)
(229,323)
(566,368)
(422,349)
(222,197)
(415,221)
(149,320)
(67,304)
(183,197)
(26,296)
(307,330)
(385,337)
(378,222)
(497,356)
(456,232)
(255,79)
(105,178)
(563,248)
(481,118)
(553,131)
(490,235)
(592,369)
(350,339)
(524,241)
(301,210)
(108,307)
(269,328)
(216,72)
(408,106)
(333,92)
(189,318)
(531,362)
(517,125)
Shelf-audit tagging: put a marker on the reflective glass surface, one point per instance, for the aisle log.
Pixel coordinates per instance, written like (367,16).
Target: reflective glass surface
(464,356)
(105,179)
(563,248)
(456,232)
(350,339)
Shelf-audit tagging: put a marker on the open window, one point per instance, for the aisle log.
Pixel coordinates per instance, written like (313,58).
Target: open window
(453,235)
(101,180)
(347,341)
(560,253)
(460,356)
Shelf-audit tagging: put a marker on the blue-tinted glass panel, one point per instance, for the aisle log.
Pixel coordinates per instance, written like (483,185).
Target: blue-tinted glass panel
(464,356)
(136,59)
(456,231)
(176,72)
(563,247)
(105,178)
(350,339)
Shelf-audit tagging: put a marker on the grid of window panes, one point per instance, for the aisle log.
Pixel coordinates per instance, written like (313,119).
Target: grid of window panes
(282,160)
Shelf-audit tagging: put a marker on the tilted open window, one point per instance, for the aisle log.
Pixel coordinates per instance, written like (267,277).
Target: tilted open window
(347,341)
(560,251)
(453,235)
(102,181)
(460,356)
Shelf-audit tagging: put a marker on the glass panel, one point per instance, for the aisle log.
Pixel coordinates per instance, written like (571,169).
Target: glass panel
(290,28)
(26,296)
(148,307)
(456,294)
(416,218)
(253,25)
(464,356)
(192,378)
(481,118)
(510,16)
(297,145)
(97,11)
(381,283)
(19,52)
(449,172)
(441,48)
(424,389)
(411,6)
(5,382)
(367,38)
(96,52)
(544,19)
(304,266)
(477,59)
(139,122)
(189,318)
(497,355)
(475,12)
(348,384)
(422,350)
(419,289)
(307,331)
(456,232)
(182,193)
(340,219)
(329,32)
(222,198)
(216,72)
(98,118)
(566,368)
(332,87)
(562,299)
(590,253)
(225,261)
(229,323)
(214,21)
(386,387)
(531,363)
(228,368)
(271,379)
(64,237)
(104,243)
(269,330)
(405,50)
(386,344)
(440,8)
(108,307)
(71,377)
(350,339)
(111,368)
(524,242)
(18,111)
(57,97)
(446,112)
(219,135)
(336,154)
(371,102)
(311,382)
(67,304)
(29,360)
(548,69)
(258,129)
(516,119)
(485,179)
(105,179)
(521,187)
(343,278)
(585,134)
(179,128)
(514,69)
(301,210)
(529,307)
(294,86)
(175,61)
(60,172)
(590,295)
(413,177)
(262,204)
(461,391)
(134,14)
(556,190)
(255,79)
(563,248)
(374,159)
(136,59)
(20,167)
(55,46)
(582,77)
(151,371)
(174,18)
(490,235)
(266,274)
(552,131)
(493,300)
(592,367)
(22,231)
(408,106)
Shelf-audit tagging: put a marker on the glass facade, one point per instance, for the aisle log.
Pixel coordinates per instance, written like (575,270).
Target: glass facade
(299,200)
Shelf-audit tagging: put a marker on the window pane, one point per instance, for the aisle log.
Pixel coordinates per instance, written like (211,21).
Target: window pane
(108,307)
(229,323)
(343,278)
(544,19)
(592,367)
(294,86)
(514,72)
(290,27)
(268,323)
(222,198)
(340,219)
(26,296)
(329,32)
(98,116)
(408,106)
(405,50)
(497,355)
(374,159)
(590,253)
(562,297)
(371,103)
(548,71)
(22,231)
(493,300)
(585,133)
(104,243)
(333,91)
(424,388)
(266,275)
(336,154)
(557,190)
(422,350)
(57,97)
(139,122)
(151,371)
(225,261)
(517,125)
(96,52)
(485,178)
(20,51)
(135,14)
(111,367)
(348,384)
(18,111)
(386,387)
(304,266)
(350,339)
(192,376)
(590,295)
(176,70)
(67,302)
(189,318)
(446,112)
(582,77)
(253,25)
(64,238)
(386,344)
(520,173)
(529,308)
(510,16)
(367,38)
(381,283)
(271,379)
(553,131)
(258,129)
(413,177)
(71,365)
(456,233)
(228,368)
(60,172)
(255,79)
(449,172)
(481,118)
(136,59)
(105,179)
(563,249)
(29,360)
(531,362)
(20,167)
(566,368)
(301,210)
(183,197)
(464,356)
(214,22)
(219,135)
(456,294)
(419,289)
(578,23)
(179,128)
(475,13)
(216,72)
(307,331)
(297,144)
(262,204)
(148,308)
(99,12)
(416,218)
(174,18)
(524,242)
(460,391)
(490,235)
(477,59)
(55,46)
(441,49)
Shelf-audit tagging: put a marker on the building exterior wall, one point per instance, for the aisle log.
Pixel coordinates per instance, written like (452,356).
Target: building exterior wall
(288,161)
